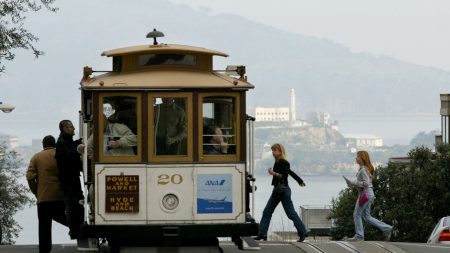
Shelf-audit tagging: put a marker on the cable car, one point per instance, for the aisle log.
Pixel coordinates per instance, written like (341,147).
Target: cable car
(169,158)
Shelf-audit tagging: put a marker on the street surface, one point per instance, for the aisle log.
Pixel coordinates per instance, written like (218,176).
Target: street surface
(273,246)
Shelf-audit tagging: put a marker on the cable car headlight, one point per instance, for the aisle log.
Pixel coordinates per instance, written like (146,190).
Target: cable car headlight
(170,201)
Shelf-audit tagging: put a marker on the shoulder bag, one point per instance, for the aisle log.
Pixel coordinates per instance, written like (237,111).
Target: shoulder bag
(280,189)
(363,198)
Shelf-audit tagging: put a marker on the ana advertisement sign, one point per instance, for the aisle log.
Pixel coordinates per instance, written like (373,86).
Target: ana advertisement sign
(214,193)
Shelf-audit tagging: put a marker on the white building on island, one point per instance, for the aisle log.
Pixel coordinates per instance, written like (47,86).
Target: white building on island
(272,113)
(277,113)
(363,140)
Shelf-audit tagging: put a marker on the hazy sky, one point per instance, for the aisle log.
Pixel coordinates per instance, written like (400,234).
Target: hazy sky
(409,30)
(416,31)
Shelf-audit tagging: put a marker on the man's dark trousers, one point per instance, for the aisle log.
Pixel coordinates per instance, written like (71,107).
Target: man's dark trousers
(48,211)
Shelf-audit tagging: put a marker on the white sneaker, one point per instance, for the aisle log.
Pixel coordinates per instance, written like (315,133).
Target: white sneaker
(387,235)
(355,239)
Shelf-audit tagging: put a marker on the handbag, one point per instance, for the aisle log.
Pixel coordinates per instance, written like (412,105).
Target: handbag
(363,198)
(281,189)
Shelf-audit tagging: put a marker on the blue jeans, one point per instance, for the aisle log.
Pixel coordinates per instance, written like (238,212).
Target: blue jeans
(363,212)
(289,209)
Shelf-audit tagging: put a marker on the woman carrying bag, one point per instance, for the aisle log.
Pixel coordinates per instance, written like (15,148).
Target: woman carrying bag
(281,193)
(365,199)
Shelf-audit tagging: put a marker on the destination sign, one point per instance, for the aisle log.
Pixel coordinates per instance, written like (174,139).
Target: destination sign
(122,194)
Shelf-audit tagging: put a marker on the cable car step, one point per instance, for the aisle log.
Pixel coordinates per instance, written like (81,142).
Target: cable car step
(249,244)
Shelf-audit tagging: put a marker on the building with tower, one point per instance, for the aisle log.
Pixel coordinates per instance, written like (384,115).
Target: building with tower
(278,113)
(292,111)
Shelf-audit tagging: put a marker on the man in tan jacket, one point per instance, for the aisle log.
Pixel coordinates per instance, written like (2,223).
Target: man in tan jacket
(42,177)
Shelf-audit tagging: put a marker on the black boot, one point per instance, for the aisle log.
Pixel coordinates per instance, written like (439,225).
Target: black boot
(302,237)
(260,237)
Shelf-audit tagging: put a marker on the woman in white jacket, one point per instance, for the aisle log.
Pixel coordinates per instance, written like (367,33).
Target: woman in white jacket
(366,196)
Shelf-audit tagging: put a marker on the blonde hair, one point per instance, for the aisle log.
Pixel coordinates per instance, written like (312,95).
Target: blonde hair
(364,156)
(280,148)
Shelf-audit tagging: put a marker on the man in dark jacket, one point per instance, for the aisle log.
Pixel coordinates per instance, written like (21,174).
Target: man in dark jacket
(42,176)
(70,166)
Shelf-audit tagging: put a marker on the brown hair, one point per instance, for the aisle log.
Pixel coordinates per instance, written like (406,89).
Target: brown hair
(280,148)
(364,156)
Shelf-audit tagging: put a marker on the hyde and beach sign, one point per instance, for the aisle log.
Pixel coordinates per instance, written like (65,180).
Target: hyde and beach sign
(122,194)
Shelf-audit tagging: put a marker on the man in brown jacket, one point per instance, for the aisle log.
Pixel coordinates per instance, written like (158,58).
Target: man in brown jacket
(42,176)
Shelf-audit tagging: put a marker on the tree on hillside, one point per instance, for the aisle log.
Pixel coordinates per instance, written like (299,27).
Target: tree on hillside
(13,34)
(13,195)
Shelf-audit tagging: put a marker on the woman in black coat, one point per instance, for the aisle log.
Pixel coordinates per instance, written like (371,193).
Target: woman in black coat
(281,170)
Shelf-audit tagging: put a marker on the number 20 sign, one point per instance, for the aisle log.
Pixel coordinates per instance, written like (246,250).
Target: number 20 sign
(164,179)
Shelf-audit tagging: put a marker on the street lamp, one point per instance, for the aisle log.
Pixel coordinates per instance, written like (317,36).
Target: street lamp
(445,118)
(6,108)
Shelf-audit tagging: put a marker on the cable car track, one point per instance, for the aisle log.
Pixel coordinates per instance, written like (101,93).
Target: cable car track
(348,247)
(316,248)
(385,247)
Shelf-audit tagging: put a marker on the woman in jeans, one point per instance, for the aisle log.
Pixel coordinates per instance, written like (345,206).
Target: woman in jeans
(281,170)
(362,209)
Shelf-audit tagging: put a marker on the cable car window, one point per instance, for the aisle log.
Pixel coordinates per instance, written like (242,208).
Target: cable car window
(167,59)
(119,124)
(170,125)
(219,125)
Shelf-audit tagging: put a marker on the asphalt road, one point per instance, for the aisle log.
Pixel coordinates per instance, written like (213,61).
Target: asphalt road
(422,247)
(227,247)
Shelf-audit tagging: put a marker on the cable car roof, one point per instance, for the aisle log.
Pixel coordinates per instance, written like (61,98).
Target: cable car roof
(160,48)
(164,79)
(130,73)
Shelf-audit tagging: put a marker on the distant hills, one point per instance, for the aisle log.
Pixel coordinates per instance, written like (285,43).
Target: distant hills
(326,76)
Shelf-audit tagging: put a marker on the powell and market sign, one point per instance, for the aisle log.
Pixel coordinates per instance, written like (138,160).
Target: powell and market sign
(122,194)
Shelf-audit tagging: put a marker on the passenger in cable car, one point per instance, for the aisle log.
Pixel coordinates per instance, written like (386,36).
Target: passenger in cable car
(170,128)
(118,139)
(69,167)
(124,111)
(42,177)
(213,141)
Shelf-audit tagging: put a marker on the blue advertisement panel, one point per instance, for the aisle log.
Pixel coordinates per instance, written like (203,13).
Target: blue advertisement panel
(214,193)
